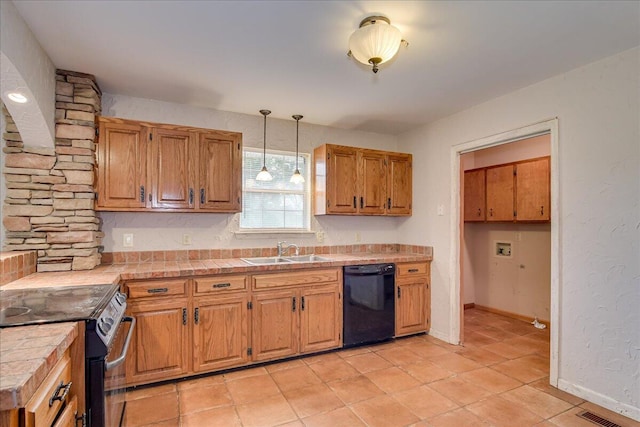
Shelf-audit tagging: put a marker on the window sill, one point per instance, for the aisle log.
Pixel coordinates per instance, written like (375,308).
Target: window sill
(270,234)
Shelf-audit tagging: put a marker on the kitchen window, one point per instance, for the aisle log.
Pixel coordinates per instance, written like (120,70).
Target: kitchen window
(277,204)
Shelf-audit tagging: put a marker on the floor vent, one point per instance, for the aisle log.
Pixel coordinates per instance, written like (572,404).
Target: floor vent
(596,419)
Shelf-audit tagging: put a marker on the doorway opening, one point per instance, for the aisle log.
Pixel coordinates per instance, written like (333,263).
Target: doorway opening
(506,236)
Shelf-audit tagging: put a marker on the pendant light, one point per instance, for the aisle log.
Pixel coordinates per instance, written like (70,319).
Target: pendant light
(297,178)
(264,174)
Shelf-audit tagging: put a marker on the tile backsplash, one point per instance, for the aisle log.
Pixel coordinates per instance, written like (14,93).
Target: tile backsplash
(153,256)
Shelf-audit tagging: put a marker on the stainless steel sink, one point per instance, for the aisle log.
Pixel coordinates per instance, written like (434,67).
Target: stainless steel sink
(269,260)
(307,258)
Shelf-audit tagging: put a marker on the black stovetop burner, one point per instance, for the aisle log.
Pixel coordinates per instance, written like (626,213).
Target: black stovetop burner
(20,307)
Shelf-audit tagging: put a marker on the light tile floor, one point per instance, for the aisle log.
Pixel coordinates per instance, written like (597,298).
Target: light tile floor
(498,378)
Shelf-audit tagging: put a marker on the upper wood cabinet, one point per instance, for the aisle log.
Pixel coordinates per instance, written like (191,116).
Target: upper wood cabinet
(500,194)
(357,181)
(219,171)
(517,191)
(533,195)
(150,166)
(122,170)
(474,195)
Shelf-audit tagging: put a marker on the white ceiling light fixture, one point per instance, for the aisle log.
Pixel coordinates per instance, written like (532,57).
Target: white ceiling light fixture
(17,97)
(375,42)
(297,178)
(264,174)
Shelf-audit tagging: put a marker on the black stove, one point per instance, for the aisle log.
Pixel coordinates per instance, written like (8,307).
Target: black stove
(102,309)
(19,307)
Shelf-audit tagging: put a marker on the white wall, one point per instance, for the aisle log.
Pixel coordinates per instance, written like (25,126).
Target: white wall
(27,69)
(163,231)
(599,217)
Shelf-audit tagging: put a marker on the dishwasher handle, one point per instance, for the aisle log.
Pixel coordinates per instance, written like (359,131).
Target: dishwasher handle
(369,270)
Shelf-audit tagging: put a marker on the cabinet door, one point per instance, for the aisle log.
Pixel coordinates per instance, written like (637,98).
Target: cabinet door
(372,182)
(171,173)
(122,156)
(399,185)
(220,333)
(342,187)
(219,171)
(474,195)
(275,325)
(160,341)
(532,191)
(320,318)
(411,306)
(500,192)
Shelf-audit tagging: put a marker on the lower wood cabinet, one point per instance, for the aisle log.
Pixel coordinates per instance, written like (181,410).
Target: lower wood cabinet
(220,332)
(294,313)
(204,324)
(413,298)
(160,341)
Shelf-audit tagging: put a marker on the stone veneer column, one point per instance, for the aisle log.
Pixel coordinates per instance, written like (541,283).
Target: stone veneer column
(49,206)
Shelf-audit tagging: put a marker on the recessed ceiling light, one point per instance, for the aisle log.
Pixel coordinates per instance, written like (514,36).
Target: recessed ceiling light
(17,97)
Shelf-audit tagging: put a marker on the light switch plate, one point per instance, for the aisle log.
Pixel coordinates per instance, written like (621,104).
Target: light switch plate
(186,239)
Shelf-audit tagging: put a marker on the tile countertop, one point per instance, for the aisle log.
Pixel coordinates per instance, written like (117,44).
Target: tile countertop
(27,355)
(114,273)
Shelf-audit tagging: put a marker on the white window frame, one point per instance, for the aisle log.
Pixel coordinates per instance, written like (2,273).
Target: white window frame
(306,194)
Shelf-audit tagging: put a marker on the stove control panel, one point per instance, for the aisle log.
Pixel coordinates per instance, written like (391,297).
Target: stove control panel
(109,320)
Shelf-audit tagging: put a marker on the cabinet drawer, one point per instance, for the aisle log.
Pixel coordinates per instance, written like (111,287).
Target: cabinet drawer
(207,285)
(308,277)
(412,269)
(42,408)
(68,417)
(156,288)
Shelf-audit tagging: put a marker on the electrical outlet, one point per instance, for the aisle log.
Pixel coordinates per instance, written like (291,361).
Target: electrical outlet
(358,237)
(320,236)
(127,240)
(186,239)
(440,210)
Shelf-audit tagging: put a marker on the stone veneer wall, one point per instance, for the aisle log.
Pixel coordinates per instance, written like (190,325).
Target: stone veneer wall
(49,204)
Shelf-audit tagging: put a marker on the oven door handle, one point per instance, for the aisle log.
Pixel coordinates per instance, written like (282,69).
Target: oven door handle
(125,348)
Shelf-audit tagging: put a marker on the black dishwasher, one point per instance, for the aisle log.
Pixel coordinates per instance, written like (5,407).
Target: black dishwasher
(369,304)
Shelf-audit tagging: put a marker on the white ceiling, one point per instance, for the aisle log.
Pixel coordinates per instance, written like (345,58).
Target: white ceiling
(290,56)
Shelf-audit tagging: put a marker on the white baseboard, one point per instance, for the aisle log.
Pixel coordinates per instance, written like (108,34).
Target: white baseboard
(441,336)
(600,399)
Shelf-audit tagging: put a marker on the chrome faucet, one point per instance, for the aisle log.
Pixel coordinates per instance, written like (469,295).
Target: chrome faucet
(283,247)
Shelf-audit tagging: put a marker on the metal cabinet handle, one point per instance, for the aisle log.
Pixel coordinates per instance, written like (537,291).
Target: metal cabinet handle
(202,196)
(221,285)
(413,270)
(361,202)
(157,290)
(190,196)
(302,304)
(196,315)
(293,304)
(354,201)
(398,292)
(541,210)
(142,193)
(56,394)
(479,212)
(389,203)
(491,212)
(184,316)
